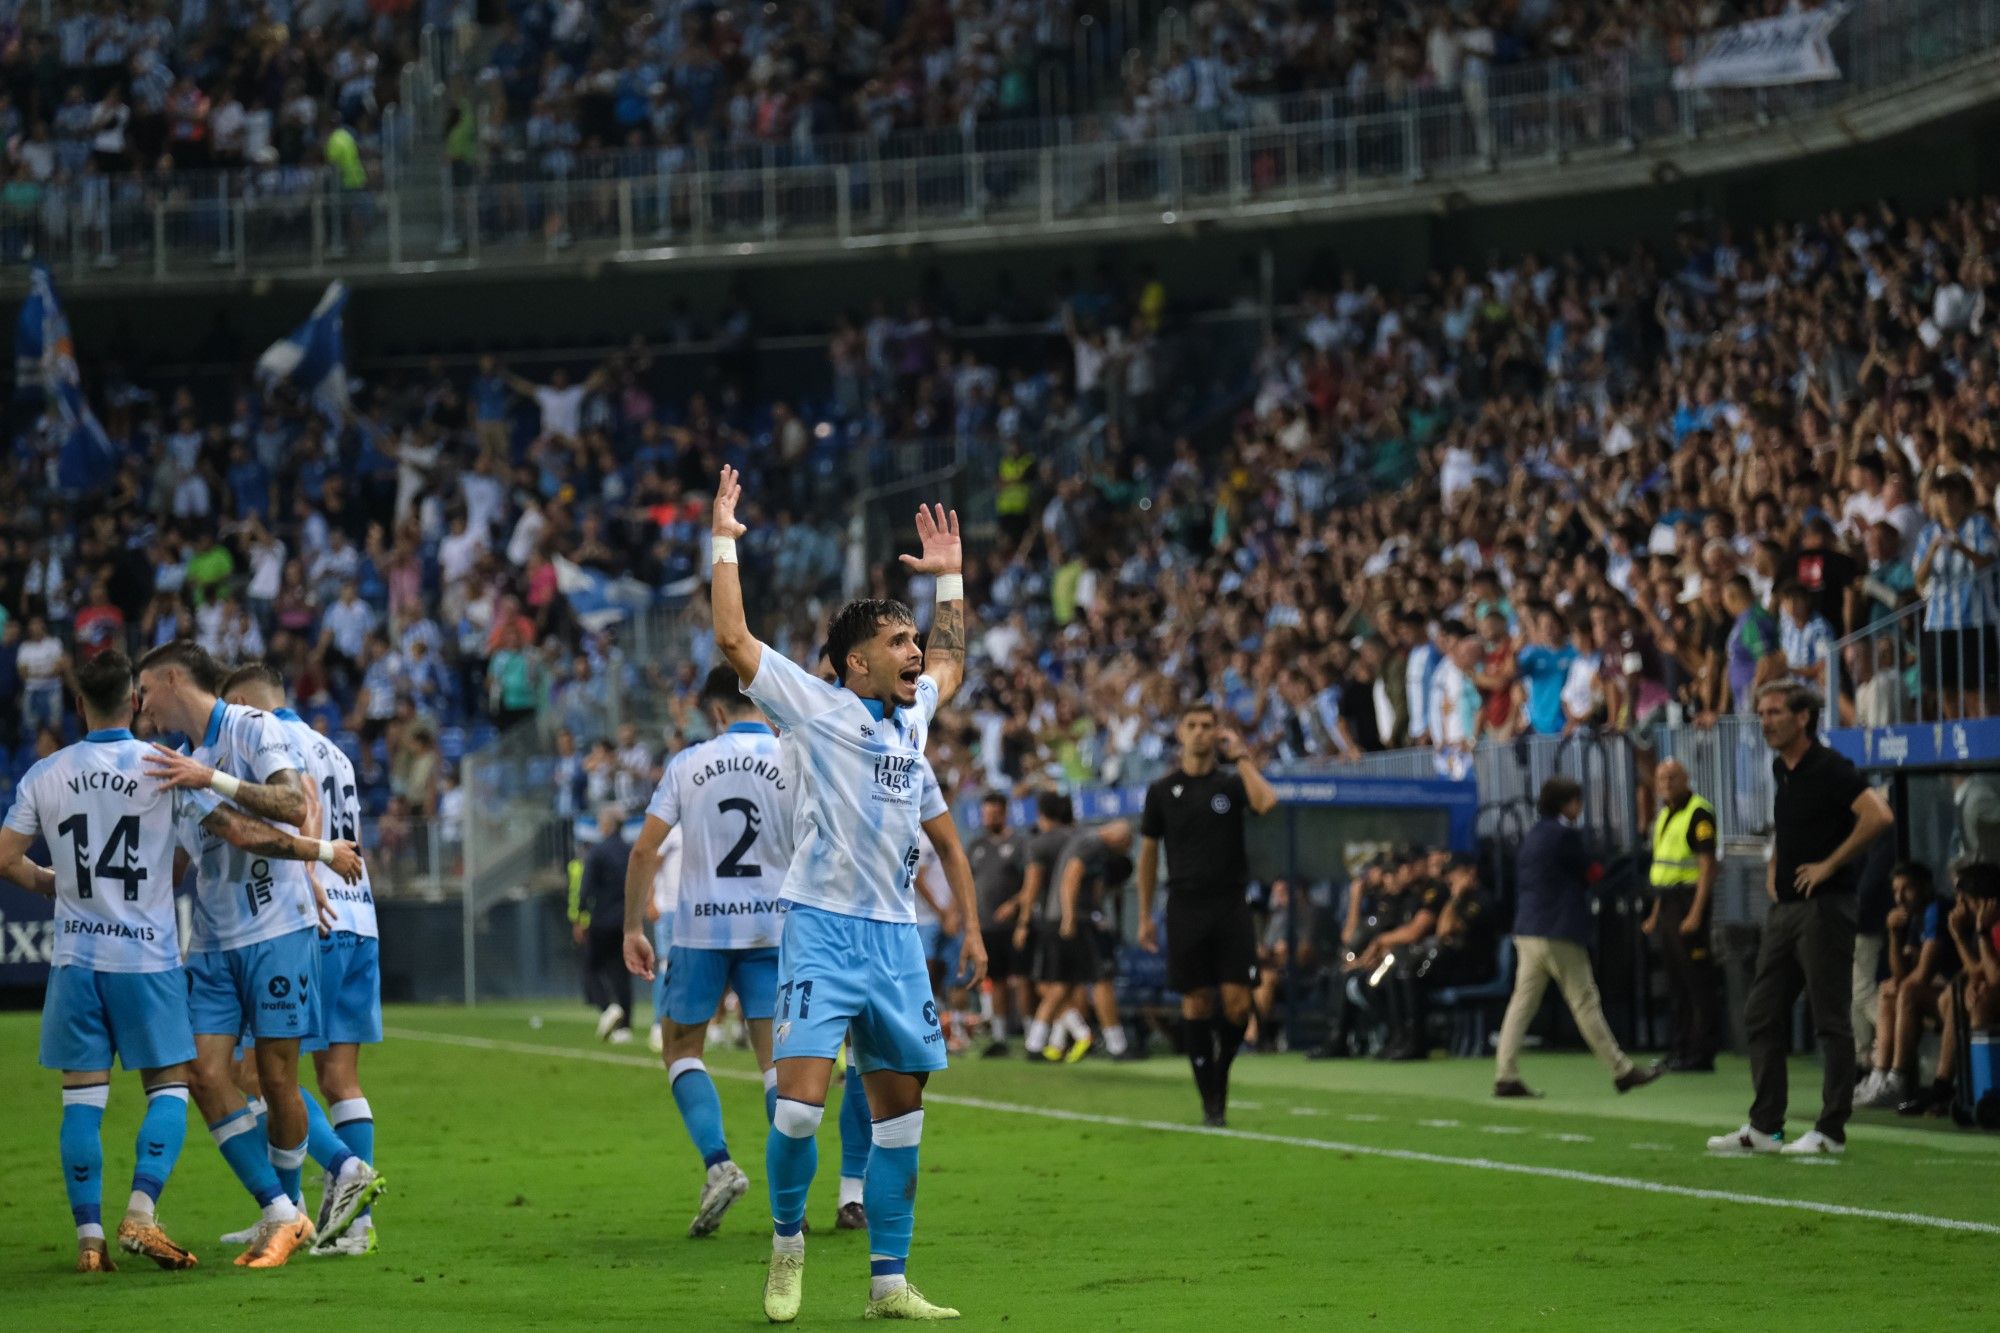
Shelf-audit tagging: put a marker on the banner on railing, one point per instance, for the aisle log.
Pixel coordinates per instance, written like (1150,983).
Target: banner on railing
(1794,48)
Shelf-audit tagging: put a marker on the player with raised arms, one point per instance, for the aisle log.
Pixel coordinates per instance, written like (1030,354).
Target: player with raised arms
(350,964)
(732,801)
(253,958)
(116,985)
(849,957)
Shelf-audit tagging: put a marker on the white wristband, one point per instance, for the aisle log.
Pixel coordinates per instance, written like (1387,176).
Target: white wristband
(722,551)
(326,853)
(951,587)
(225,786)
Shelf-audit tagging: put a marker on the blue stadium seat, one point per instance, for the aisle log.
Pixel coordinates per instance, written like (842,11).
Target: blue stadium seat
(451,743)
(1471,1007)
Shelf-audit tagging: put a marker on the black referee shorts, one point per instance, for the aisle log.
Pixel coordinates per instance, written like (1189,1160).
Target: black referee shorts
(1066,962)
(1210,943)
(1001,962)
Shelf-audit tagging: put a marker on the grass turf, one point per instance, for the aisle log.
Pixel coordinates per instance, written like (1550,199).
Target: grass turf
(541,1180)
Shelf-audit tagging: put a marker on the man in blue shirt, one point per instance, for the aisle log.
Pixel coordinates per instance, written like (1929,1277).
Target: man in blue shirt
(1544,664)
(1552,928)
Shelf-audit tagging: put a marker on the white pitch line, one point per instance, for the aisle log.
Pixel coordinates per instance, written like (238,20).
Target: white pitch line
(1501,1129)
(1282,1140)
(1307,1110)
(1362,1118)
(1439,1124)
(1247,1106)
(1570,1138)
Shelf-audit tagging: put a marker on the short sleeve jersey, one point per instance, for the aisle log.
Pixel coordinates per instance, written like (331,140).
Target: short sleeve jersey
(865,789)
(1199,821)
(731,798)
(1045,849)
(999,861)
(242,898)
(111,831)
(332,775)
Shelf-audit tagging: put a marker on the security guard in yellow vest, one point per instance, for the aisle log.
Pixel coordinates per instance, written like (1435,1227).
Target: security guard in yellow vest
(1683,877)
(1015,494)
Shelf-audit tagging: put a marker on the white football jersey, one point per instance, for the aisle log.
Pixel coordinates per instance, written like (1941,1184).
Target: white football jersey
(240,897)
(930,875)
(110,830)
(730,798)
(865,788)
(329,769)
(667,884)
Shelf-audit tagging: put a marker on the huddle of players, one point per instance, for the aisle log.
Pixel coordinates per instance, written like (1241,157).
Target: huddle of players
(278,960)
(1416,921)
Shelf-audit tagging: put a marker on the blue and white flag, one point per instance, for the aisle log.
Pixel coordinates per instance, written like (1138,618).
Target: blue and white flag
(312,358)
(597,599)
(45,363)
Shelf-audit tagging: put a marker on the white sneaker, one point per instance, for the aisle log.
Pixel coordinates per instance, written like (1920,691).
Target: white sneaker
(1870,1084)
(1812,1143)
(608,1021)
(353,1194)
(619,1036)
(1882,1090)
(243,1237)
(1745,1142)
(656,1040)
(726,1184)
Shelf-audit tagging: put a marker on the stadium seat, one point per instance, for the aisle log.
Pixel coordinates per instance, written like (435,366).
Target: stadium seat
(1471,1007)
(451,743)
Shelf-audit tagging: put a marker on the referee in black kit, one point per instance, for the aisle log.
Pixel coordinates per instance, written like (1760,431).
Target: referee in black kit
(1198,811)
(1823,820)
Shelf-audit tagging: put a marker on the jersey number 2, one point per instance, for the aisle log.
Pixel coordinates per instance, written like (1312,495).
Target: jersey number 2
(116,861)
(733,866)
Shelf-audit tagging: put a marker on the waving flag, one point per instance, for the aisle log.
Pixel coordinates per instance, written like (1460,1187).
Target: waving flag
(45,362)
(311,358)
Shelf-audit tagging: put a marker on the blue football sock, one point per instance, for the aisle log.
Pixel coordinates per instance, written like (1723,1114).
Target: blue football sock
(890,1195)
(323,1144)
(289,1166)
(83,1156)
(161,1134)
(701,1109)
(354,1121)
(791,1156)
(245,1151)
(854,1128)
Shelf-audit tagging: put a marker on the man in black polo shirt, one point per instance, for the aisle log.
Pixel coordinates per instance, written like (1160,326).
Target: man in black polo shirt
(1824,819)
(1050,1026)
(1094,869)
(999,858)
(1198,811)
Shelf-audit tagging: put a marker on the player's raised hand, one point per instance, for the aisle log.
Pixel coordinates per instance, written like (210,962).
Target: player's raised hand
(638,954)
(722,514)
(937,531)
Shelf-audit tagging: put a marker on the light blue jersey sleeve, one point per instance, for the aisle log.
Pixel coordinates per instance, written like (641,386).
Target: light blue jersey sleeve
(789,695)
(191,807)
(22,816)
(666,803)
(267,748)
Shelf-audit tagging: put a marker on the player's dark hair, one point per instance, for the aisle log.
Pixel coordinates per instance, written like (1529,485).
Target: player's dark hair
(1556,795)
(254,673)
(722,688)
(104,683)
(1198,706)
(858,622)
(190,657)
(1055,807)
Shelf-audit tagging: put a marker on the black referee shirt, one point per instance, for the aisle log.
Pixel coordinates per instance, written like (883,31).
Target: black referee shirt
(1812,816)
(1200,821)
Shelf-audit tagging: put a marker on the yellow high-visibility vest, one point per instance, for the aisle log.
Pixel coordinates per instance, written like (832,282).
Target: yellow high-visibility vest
(1015,491)
(1674,860)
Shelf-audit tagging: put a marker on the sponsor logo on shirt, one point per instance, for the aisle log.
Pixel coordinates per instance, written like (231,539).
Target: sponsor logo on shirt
(1219,803)
(896,774)
(116,930)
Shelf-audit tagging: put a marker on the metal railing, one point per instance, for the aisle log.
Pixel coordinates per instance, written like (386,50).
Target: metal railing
(1298,150)
(1931,660)
(1727,762)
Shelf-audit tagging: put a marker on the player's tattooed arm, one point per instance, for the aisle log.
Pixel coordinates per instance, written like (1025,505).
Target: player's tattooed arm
(943,557)
(18,870)
(282,799)
(262,839)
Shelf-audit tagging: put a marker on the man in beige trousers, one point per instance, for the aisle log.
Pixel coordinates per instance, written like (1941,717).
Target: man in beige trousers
(1551,928)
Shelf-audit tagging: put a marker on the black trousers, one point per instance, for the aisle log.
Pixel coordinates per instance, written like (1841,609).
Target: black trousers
(1691,979)
(1807,946)
(605,980)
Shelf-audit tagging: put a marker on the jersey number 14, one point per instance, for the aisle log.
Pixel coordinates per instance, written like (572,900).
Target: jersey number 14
(117,860)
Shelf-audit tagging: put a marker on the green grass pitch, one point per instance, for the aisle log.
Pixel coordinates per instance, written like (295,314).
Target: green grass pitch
(541,1180)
